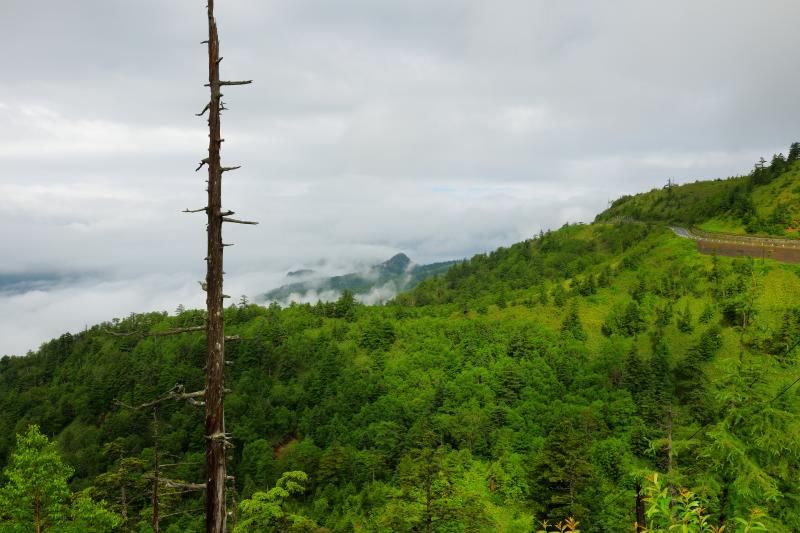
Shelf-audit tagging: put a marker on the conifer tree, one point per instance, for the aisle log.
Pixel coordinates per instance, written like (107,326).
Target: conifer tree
(572,324)
(544,298)
(563,472)
(794,153)
(685,320)
(635,378)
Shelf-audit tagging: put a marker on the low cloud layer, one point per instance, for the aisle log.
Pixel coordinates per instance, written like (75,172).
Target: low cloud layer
(435,128)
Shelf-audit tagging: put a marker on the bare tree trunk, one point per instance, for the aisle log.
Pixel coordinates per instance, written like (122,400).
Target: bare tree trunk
(429,515)
(670,453)
(216,472)
(215,329)
(37,509)
(640,523)
(124,506)
(723,502)
(156,472)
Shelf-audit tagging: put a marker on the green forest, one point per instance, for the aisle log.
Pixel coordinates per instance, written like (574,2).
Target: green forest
(764,202)
(565,382)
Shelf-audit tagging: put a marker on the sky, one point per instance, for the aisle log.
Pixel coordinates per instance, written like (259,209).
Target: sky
(435,128)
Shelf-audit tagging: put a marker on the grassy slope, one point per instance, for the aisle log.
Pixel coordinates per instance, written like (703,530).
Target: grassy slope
(710,205)
(449,330)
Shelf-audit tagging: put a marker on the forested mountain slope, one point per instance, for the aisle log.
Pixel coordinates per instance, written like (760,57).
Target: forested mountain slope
(379,282)
(764,202)
(540,381)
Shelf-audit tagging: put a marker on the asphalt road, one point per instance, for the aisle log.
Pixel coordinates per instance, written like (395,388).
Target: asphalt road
(682,232)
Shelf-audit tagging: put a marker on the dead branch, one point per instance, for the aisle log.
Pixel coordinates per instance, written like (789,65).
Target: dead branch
(229,338)
(175,393)
(187,511)
(175,331)
(228,169)
(236,221)
(224,83)
(187,210)
(180,485)
(202,162)
(126,334)
(201,113)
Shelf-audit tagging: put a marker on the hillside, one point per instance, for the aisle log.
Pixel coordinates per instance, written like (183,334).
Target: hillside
(377,284)
(764,202)
(541,380)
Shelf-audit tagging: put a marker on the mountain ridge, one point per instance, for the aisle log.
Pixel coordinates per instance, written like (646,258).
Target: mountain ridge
(765,202)
(539,381)
(384,279)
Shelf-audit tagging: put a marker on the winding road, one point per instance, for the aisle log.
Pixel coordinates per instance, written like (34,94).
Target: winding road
(682,232)
(785,250)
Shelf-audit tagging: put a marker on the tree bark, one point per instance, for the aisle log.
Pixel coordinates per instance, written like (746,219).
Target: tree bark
(672,492)
(37,509)
(124,505)
(640,524)
(156,472)
(216,473)
(429,516)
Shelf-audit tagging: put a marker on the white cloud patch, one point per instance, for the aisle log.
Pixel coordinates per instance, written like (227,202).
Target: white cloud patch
(438,129)
(35,316)
(36,131)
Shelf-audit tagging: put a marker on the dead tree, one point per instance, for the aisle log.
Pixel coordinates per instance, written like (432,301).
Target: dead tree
(216,473)
(156,472)
(213,393)
(641,525)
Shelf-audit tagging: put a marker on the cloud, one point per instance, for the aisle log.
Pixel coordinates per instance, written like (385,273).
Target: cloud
(37,131)
(35,316)
(436,128)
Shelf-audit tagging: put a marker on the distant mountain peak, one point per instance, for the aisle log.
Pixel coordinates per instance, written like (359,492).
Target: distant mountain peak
(397,273)
(398,263)
(300,273)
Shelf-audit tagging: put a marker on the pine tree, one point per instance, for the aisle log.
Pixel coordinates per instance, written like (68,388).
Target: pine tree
(559,295)
(631,321)
(794,153)
(544,298)
(124,483)
(606,277)
(572,324)
(657,388)
(635,377)
(563,472)
(639,291)
(685,320)
(710,341)
(778,165)
(707,314)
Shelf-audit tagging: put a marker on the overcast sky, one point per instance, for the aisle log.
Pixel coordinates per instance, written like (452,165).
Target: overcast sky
(435,128)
